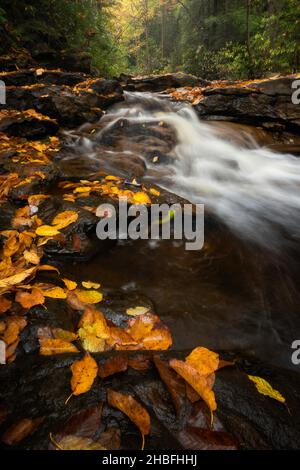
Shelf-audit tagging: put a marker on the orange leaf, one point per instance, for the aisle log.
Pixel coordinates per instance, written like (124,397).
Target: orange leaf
(49,347)
(29,299)
(5,304)
(131,408)
(84,372)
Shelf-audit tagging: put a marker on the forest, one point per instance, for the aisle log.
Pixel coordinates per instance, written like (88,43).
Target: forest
(149,232)
(209,38)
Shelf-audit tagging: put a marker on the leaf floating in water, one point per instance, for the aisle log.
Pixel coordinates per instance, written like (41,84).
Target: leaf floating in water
(266,389)
(137,311)
(89,296)
(90,285)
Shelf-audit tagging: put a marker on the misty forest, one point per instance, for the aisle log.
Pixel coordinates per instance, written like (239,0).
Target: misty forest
(173,331)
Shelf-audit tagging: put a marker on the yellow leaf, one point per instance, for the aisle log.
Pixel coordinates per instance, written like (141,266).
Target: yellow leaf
(265,388)
(82,189)
(17,278)
(89,296)
(55,293)
(64,219)
(70,285)
(90,285)
(141,198)
(47,231)
(137,311)
(131,408)
(31,256)
(84,372)
(154,192)
(112,178)
(93,330)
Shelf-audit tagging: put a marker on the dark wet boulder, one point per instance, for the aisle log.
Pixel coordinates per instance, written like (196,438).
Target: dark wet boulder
(265,103)
(27,124)
(157,83)
(70,106)
(43,76)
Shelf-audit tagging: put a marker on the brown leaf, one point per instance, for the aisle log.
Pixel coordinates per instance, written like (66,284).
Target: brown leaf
(174,383)
(110,439)
(17,432)
(139,363)
(85,423)
(76,443)
(131,408)
(84,372)
(113,365)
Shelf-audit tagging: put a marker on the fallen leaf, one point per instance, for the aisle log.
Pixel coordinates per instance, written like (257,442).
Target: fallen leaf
(154,192)
(137,311)
(174,383)
(31,257)
(84,372)
(17,278)
(5,304)
(93,330)
(198,371)
(70,285)
(140,363)
(90,285)
(131,408)
(47,267)
(265,388)
(30,299)
(17,432)
(64,219)
(47,231)
(77,443)
(49,347)
(113,365)
(89,296)
(55,293)
(141,198)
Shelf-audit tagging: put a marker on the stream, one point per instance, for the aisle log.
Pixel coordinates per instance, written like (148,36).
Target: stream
(241,291)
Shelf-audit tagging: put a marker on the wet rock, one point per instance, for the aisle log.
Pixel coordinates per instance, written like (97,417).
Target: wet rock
(38,386)
(263,102)
(39,75)
(70,106)
(26,124)
(157,83)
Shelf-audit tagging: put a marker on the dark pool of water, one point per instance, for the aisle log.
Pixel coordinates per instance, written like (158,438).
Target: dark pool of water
(225,297)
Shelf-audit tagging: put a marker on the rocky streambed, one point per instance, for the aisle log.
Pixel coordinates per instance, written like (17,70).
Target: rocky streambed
(64,149)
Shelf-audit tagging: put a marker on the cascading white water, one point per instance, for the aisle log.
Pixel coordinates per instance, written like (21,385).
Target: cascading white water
(254,191)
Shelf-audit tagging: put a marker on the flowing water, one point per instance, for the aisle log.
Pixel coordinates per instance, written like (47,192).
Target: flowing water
(241,291)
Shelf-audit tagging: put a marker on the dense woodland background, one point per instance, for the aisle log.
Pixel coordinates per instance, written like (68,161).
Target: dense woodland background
(210,38)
